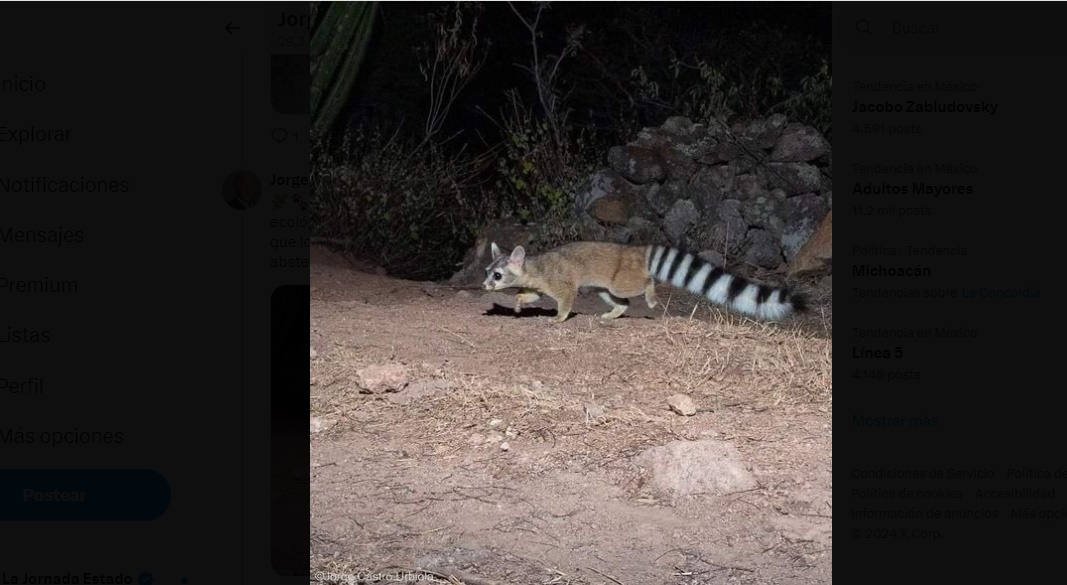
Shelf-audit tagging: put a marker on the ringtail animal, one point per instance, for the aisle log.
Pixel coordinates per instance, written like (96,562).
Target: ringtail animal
(622,271)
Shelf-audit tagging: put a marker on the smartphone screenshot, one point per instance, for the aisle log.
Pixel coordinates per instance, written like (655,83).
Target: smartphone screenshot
(153,237)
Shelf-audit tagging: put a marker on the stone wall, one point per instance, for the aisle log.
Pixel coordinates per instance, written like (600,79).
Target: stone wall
(753,193)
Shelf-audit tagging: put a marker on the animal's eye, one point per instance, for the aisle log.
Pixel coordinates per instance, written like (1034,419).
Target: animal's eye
(497,276)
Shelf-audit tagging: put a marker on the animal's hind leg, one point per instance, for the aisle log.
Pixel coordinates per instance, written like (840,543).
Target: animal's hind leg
(618,305)
(650,294)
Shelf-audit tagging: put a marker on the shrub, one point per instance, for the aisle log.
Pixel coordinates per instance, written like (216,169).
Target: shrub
(539,169)
(411,207)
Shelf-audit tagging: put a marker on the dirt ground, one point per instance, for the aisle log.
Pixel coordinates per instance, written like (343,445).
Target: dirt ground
(510,454)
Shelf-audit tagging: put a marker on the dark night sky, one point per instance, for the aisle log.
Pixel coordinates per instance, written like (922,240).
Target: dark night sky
(390,88)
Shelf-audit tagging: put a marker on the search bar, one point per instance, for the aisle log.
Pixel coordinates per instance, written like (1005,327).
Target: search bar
(898,27)
(933,25)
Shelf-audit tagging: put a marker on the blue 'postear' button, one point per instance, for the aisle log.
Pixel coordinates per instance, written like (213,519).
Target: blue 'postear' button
(82,494)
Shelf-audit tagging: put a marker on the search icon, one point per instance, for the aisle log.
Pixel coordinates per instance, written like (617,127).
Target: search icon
(279,135)
(863,26)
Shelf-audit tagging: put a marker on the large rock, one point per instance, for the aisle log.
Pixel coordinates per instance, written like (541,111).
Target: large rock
(742,165)
(816,255)
(799,143)
(762,134)
(729,231)
(717,145)
(602,183)
(765,211)
(717,150)
(713,257)
(684,128)
(710,186)
(611,209)
(761,249)
(638,164)
(661,198)
(750,187)
(802,214)
(640,231)
(591,230)
(680,166)
(793,178)
(676,131)
(682,216)
(686,468)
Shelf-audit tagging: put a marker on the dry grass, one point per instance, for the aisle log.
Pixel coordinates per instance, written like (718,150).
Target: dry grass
(576,402)
(541,385)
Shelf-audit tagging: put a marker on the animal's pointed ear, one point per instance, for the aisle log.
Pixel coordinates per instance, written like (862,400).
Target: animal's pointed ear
(518,255)
(496,251)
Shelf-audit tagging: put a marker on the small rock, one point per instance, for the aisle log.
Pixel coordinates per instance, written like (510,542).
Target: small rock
(316,424)
(682,404)
(314,354)
(593,411)
(511,433)
(504,446)
(387,378)
(496,422)
(494,437)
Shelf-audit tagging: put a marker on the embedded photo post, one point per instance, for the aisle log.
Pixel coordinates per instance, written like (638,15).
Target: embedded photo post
(571,292)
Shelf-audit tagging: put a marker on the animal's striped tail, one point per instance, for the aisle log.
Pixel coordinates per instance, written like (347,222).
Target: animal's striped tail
(685,271)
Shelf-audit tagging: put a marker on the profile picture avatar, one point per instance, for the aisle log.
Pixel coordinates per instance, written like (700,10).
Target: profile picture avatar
(241,190)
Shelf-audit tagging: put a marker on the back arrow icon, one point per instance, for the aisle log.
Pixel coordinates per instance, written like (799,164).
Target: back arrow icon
(230,28)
